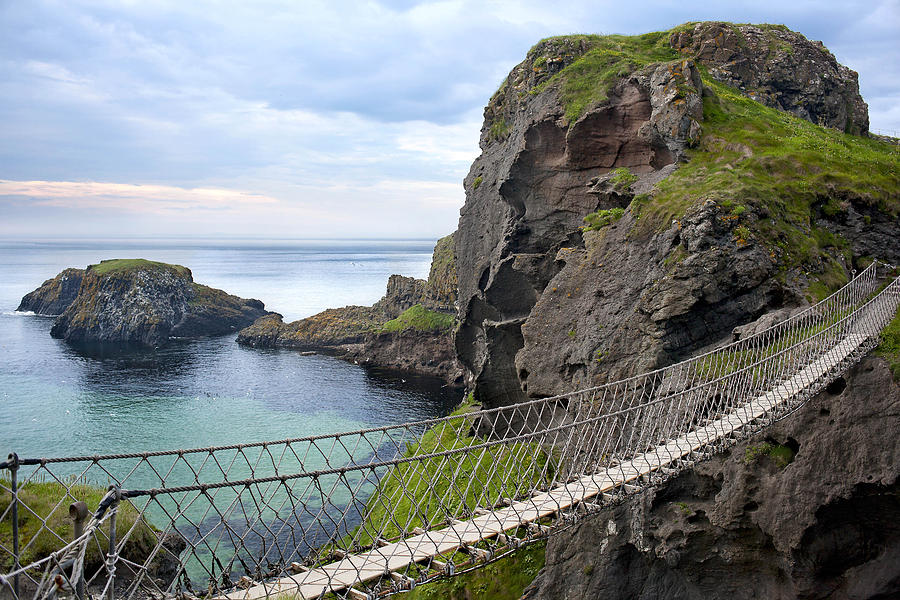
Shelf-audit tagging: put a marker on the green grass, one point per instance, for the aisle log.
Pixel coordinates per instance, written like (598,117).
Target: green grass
(889,349)
(505,579)
(477,182)
(50,501)
(404,499)
(780,454)
(419,318)
(778,162)
(124,265)
(602,218)
(499,129)
(587,81)
(780,169)
(622,179)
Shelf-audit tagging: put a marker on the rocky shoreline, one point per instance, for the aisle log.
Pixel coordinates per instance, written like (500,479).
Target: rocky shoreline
(409,329)
(143,303)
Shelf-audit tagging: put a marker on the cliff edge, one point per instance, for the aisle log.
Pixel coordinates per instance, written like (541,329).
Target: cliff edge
(638,197)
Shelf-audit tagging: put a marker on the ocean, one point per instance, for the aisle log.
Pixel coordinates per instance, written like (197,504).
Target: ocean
(58,401)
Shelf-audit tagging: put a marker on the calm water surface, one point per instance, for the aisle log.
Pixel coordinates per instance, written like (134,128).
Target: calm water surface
(59,401)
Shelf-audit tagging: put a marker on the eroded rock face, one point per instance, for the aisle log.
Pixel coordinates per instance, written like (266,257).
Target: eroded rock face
(422,352)
(546,308)
(527,194)
(147,304)
(744,525)
(441,287)
(54,295)
(616,308)
(779,68)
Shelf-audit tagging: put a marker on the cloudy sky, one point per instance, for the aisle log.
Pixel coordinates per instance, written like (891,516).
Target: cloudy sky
(305,119)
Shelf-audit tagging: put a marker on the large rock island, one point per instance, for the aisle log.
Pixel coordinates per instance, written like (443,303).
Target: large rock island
(137,301)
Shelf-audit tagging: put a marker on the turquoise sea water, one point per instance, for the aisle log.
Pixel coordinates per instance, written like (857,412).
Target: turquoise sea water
(58,401)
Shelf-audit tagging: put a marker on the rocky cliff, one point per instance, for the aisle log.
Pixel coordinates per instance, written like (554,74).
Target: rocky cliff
(136,301)
(808,508)
(54,295)
(630,208)
(779,68)
(410,328)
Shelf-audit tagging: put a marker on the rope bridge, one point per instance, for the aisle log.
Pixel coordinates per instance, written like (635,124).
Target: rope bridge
(367,513)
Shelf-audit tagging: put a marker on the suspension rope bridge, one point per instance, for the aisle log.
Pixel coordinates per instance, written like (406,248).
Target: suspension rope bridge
(368,513)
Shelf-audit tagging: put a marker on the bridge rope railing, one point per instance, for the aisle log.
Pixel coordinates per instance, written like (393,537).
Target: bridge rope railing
(371,512)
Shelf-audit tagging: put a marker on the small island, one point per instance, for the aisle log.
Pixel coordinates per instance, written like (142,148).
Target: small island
(137,302)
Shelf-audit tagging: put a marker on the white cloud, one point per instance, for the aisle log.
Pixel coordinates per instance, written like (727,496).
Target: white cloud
(127,197)
(346,118)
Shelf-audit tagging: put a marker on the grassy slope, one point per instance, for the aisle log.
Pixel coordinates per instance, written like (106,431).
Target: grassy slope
(587,81)
(505,579)
(772,170)
(123,265)
(419,318)
(391,508)
(50,501)
(782,167)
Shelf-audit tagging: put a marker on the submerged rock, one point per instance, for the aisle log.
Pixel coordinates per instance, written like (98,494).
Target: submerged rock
(140,302)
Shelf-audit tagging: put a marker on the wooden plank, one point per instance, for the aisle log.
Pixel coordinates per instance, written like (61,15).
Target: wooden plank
(392,557)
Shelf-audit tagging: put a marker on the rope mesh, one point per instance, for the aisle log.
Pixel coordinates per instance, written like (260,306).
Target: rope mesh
(367,513)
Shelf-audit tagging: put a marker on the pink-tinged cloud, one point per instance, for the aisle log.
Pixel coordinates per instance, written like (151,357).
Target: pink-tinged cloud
(156,199)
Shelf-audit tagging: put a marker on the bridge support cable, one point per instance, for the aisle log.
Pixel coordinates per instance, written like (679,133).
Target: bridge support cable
(366,513)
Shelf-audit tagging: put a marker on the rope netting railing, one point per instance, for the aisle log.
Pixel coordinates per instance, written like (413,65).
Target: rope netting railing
(367,513)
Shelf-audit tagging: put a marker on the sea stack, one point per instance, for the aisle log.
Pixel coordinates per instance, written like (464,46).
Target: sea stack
(139,302)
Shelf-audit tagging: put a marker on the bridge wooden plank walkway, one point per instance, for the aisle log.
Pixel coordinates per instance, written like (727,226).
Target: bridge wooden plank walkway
(393,557)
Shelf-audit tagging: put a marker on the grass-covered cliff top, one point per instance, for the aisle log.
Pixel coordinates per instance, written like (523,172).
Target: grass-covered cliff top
(585,67)
(125,265)
(586,79)
(772,174)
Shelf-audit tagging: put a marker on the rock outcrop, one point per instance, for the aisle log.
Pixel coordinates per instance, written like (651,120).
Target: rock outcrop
(54,295)
(781,69)
(443,283)
(328,329)
(809,508)
(139,302)
(358,333)
(668,263)
(423,352)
